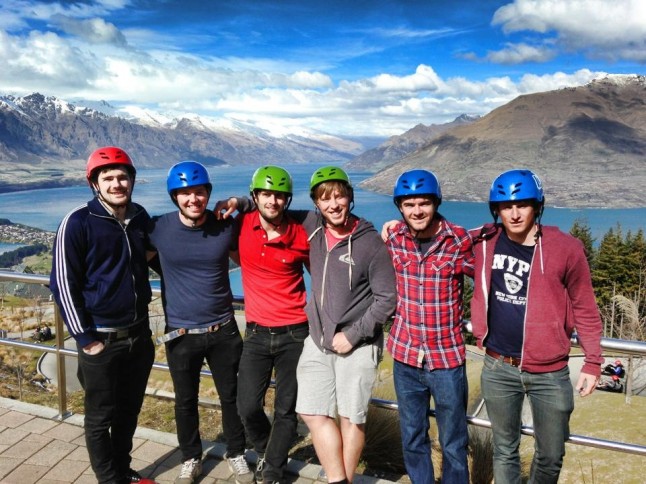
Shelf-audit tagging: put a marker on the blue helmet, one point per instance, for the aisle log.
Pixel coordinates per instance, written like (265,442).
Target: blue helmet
(516,185)
(187,174)
(417,183)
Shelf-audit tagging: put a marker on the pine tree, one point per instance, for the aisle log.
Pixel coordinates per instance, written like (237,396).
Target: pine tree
(581,230)
(608,266)
(635,263)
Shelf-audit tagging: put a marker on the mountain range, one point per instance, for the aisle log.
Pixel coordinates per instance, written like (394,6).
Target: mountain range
(44,141)
(397,147)
(587,144)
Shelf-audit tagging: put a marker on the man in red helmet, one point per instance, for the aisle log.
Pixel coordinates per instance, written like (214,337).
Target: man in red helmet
(99,280)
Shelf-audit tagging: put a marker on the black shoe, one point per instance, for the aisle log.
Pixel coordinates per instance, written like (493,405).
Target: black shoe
(134,476)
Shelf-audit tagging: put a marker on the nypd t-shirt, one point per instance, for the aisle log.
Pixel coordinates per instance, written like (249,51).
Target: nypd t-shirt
(508,296)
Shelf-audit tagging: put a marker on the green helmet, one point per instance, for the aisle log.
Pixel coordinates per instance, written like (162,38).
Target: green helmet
(328,173)
(272,178)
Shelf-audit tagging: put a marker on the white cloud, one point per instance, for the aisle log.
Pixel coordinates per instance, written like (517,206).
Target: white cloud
(22,10)
(94,30)
(407,33)
(363,106)
(384,105)
(424,79)
(92,59)
(613,29)
(521,53)
(42,60)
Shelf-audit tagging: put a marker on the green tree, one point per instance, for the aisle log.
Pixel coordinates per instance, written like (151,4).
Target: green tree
(581,230)
(619,271)
(608,268)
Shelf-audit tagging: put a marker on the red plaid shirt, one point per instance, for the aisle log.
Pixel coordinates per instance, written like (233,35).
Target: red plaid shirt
(427,331)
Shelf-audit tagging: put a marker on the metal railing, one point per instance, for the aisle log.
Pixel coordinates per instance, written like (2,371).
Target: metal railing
(616,345)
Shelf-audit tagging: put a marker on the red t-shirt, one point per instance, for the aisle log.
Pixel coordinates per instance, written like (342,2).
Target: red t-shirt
(272,272)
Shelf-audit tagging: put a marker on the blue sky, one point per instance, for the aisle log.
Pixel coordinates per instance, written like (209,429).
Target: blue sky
(350,67)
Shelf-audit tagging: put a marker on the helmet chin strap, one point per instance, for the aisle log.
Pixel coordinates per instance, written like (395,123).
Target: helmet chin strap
(99,195)
(539,226)
(276,226)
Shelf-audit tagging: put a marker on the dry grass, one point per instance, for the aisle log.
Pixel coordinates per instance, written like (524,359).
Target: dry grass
(602,415)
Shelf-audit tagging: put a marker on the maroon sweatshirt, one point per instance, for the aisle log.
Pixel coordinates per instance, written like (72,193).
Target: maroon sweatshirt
(560,299)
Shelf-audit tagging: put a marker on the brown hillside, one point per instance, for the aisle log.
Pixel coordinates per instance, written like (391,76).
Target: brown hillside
(588,144)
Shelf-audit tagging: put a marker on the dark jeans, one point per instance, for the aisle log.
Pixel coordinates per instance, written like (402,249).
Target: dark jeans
(449,389)
(551,398)
(185,356)
(262,353)
(115,383)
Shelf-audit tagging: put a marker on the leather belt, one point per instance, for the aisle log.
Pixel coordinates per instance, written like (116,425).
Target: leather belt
(119,334)
(255,327)
(176,333)
(511,360)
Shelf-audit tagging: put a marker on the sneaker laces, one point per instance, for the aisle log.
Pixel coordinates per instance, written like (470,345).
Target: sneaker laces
(239,464)
(188,469)
(260,464)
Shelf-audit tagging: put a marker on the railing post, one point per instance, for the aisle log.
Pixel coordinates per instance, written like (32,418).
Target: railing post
(60,365)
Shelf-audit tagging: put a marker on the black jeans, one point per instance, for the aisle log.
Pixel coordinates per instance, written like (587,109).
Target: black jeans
(185,355)
(262,353)
(115,383)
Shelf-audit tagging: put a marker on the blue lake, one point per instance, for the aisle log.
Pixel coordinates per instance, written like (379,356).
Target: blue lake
(6,247)
(45,208)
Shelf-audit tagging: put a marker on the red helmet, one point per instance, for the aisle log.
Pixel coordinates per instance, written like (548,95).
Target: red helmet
(108,155)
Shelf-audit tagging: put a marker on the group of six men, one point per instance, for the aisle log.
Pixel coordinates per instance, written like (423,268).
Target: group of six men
(532,288)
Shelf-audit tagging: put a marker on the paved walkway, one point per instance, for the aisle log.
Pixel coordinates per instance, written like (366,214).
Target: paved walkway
(35,447)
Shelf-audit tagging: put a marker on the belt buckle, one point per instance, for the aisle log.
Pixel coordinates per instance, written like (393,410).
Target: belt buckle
(116,335)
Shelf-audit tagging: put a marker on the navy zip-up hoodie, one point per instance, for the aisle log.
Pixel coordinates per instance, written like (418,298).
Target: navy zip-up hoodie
(99,275)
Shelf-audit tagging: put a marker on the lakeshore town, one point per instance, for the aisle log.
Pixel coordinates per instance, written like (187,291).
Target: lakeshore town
(22,234)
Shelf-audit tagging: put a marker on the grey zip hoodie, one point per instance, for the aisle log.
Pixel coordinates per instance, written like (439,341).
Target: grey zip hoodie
(353,285)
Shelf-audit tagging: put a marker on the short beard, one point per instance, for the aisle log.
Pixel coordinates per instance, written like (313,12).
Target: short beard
(275,221)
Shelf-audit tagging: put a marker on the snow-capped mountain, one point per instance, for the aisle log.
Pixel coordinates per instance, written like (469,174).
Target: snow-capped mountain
(38,130)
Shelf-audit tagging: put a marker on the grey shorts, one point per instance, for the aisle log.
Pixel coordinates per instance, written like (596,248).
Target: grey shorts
(331,384)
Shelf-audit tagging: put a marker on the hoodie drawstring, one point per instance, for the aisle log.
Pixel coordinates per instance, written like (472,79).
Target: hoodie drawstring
(350,262)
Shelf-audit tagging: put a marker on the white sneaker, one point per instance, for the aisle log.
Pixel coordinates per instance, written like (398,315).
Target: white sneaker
(260,465)
(189,471)
(240,469)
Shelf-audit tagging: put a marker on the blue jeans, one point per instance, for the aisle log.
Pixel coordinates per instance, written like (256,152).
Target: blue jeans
(262,353)
(551,399)
(115,383)
(449,389)
(185,355)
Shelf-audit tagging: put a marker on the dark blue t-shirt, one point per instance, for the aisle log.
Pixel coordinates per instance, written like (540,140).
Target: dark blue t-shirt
(195,264)
(508,296)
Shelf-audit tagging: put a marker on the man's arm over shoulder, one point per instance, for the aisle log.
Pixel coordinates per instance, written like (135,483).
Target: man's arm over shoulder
(466,253)
(225,208)
(307,218)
